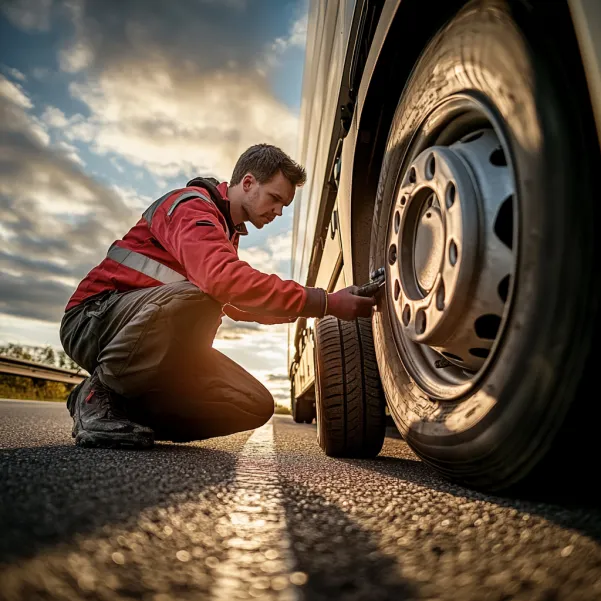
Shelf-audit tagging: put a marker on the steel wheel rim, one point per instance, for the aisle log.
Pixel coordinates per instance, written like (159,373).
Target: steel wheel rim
(443,259)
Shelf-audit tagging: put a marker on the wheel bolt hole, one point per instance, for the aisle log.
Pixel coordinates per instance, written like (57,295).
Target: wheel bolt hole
(482,353)
(503,288)
(497,158)
(397,290)
(397,222)
(453,253)
(431,167)
(412,175)
(504,222)
(440,297)
(420,322)
(450,195)
(487,326)
(406,315)
(403,200)
(392,254)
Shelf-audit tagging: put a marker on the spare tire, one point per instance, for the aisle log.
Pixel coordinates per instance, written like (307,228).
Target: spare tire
(350,403)
(484,221)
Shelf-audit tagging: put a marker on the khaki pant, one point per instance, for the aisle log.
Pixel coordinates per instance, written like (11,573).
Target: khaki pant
(154,347)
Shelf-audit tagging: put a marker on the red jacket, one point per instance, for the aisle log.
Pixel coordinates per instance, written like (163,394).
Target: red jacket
(184,236)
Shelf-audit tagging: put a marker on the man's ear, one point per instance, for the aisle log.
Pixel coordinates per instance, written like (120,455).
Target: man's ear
(247,181)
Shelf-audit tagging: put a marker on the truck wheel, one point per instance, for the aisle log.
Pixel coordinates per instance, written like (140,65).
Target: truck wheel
(484,222)
(303,411)
(349,397)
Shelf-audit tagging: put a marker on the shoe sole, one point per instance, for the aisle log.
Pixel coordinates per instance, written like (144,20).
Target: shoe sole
(99,440)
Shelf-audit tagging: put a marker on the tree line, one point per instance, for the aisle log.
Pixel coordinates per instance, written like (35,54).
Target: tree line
(21,387)
(40,354)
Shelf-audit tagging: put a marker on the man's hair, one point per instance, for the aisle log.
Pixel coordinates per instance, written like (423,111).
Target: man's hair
(264,161)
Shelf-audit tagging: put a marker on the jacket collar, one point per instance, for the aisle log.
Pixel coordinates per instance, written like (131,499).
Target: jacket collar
(223,189)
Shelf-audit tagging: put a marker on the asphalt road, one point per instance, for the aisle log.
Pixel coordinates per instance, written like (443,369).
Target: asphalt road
(266,515)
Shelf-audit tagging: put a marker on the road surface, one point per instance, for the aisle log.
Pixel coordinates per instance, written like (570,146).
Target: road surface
(266,515)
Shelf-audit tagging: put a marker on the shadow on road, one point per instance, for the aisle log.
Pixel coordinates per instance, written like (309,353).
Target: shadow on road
(578,510)
(341,559)
(50,494)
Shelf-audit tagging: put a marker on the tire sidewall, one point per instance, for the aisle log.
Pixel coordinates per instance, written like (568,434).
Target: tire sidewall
(484,51)
(322,434)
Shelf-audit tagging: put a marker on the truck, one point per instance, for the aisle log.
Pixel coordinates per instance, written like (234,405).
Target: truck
(454,145)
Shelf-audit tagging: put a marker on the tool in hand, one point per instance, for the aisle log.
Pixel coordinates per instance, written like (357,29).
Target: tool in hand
(375,284)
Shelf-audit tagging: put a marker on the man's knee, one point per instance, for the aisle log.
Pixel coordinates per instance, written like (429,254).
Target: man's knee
(265,406)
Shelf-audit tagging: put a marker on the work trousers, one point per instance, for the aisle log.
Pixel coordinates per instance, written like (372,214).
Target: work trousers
(153,346)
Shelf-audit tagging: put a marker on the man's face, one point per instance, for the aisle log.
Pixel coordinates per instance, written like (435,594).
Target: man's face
(264,202)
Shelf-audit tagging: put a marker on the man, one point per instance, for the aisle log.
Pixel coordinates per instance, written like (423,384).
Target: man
(142,322)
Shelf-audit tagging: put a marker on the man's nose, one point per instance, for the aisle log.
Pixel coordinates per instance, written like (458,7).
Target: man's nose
(278,211)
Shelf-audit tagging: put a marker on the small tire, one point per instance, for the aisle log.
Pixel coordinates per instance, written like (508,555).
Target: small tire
(302,410)
(349,398)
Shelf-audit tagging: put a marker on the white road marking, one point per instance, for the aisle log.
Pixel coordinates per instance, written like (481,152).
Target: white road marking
(259,562)
(24,401)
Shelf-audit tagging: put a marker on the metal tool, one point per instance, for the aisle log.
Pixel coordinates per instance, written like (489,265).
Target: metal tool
(375,284)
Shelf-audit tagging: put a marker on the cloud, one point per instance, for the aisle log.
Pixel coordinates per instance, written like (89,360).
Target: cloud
(30,15)
(173,125)
(133,199)
(76,57)
(297,36)
(14,73)
(271,257)
(54,117)
(14,94)
(70,152)
(261,352)
(209,33)
(236,330)
(40,73)
(278,378)
(178,105)
(56,221)
(33,297)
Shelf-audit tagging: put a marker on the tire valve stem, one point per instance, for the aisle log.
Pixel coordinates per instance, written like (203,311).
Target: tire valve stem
(441,363)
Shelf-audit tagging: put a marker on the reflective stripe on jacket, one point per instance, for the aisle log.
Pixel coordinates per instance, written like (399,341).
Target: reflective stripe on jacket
(184,236)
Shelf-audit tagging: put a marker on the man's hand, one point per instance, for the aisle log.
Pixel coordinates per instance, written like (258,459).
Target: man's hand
(346,305)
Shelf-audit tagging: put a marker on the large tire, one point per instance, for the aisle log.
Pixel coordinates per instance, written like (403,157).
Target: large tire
(349,399)
(530,403)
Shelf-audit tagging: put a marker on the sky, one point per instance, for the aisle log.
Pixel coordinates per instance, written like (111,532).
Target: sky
(104,107)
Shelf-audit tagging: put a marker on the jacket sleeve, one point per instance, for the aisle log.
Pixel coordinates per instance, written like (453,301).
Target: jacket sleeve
(194,235)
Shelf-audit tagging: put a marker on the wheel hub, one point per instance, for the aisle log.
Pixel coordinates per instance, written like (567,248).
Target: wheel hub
(429,244)
(446,259)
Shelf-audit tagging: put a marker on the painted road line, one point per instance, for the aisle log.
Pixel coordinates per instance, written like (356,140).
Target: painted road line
(27,401)
(259,562)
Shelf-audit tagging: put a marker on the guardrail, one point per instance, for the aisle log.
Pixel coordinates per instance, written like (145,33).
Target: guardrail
(31,369)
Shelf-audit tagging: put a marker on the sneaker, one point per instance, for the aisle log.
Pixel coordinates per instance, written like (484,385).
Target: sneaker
(99,418)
